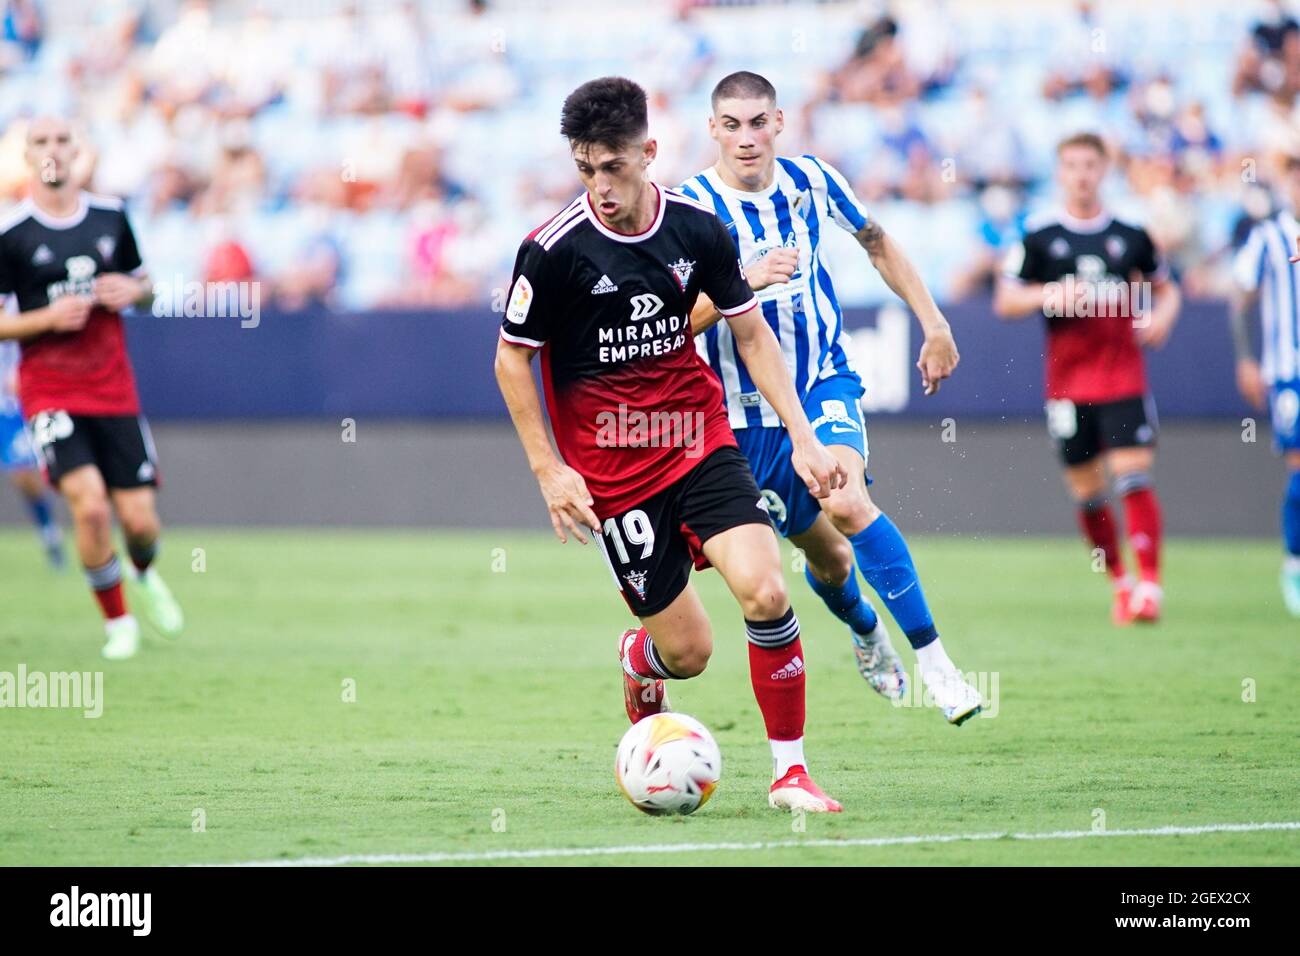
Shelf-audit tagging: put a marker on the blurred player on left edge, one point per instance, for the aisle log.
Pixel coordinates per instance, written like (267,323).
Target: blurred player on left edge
(18,458)
(70,259)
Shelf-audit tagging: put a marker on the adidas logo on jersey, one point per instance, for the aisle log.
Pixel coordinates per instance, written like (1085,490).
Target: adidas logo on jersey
(603,286)
(42,255)
(790,670)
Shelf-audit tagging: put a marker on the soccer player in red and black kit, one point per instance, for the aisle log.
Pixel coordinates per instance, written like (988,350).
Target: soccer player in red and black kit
(647,459)
(70,259)
(1105,293)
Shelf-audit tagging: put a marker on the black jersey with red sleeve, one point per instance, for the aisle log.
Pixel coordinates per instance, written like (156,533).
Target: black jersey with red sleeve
(632,405)
(43,258)
(1092,351)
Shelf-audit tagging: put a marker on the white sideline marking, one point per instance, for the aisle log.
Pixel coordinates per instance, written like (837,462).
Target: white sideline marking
(557,853)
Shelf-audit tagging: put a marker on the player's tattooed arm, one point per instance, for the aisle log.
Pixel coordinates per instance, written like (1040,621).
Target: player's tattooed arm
(568,501)
(939,356)
(1250,381)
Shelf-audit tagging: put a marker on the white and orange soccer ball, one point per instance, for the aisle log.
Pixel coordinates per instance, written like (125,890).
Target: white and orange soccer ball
(668,763)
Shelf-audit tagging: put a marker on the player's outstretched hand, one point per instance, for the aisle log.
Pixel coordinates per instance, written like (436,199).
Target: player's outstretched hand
(116,291)
(568,501)
(819,469)
(777,266)
(1251,384)
(69,313)
(938,359)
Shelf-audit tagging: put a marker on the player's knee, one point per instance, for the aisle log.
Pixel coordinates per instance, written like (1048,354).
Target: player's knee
(691,661)
(850,511)
(140,524)
(91,512)
(765,597)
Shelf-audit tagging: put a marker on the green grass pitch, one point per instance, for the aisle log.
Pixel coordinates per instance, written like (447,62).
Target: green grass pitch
(488,707)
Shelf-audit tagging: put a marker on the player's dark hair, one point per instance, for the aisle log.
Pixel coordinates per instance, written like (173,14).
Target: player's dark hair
(743,86)
(609,112)
(1091,140)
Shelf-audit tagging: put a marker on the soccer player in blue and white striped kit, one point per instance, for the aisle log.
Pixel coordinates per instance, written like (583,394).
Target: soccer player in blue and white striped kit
(776,209)
(1266,272)
(18,458)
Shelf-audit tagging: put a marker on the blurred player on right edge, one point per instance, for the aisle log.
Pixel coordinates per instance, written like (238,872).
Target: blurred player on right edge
(1266,273)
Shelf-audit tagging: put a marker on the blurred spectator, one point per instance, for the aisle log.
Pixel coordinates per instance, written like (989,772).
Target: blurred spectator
(1002,223)
(21,32)
(1081,60)
(228,261)
(1270,60)
(379,154)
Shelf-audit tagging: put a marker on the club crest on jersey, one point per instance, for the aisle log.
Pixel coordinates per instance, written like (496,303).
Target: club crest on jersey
(80,268)
(106,245)
(636,581)
(682,271)
(1059,249)
(1115,246)
(42,255)
(1090,268)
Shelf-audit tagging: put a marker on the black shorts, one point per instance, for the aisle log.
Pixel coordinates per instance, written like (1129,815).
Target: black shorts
(651,546)
(1083,431)
(120,446)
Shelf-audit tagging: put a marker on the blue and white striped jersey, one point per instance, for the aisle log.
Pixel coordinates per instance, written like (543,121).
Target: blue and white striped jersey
(805,196)
(9,353)
(1263,264)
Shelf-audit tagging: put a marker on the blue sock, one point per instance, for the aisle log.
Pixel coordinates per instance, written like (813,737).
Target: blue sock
(887,565)
(1291,515)
(40,509)
(845,601)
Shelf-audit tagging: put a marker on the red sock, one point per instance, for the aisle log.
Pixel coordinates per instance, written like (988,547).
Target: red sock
(643,657)
(106,583)
(1098,526)
(777,674)
(1142,514)
(111,601)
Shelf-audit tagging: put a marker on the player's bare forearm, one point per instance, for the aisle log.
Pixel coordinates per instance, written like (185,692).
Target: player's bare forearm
(568,502)
(762,355)
(902,278)
(1240,306)
(704,315)
(1017,300)
(1167,302)
(515,379)
(26,325)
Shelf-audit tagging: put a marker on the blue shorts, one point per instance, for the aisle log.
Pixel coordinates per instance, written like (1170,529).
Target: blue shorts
(1284,403)
(832,407)
(16,451)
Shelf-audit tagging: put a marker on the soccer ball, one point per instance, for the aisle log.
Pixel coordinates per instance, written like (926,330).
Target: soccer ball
(668,763)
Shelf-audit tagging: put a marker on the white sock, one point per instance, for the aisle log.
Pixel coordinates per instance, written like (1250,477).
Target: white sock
(786,754)
(1292,564)
(933,660)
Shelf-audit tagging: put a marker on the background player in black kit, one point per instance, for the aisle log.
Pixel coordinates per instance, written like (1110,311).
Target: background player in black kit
(69,258)
(1105,294)
(647,458)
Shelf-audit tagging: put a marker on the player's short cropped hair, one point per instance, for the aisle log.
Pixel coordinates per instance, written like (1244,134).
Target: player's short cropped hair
(743,86)
(1090,140)
(609,112)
